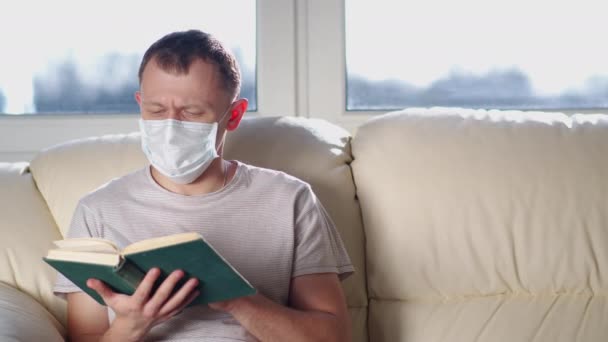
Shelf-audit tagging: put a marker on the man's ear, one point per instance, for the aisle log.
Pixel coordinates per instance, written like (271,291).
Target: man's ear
(138,97)
(239,108)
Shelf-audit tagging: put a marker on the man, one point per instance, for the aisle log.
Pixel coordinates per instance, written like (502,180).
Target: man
(268,225)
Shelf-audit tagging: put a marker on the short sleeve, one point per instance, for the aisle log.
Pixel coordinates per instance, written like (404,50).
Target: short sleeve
(83,225)
(318,246)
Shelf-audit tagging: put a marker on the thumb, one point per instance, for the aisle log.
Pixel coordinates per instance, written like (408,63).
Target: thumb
(102,289)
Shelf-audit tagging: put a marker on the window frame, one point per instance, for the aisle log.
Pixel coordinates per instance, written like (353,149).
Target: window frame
(326,69)
(300,71)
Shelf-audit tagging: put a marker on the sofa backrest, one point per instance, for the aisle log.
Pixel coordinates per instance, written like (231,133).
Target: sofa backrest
(312,150)
(26,232)
(485,225)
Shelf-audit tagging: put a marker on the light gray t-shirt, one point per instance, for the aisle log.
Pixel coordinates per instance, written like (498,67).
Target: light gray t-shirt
(270,226)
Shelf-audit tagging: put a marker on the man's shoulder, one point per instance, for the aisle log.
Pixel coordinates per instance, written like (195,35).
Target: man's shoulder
(260,176)
(114,189)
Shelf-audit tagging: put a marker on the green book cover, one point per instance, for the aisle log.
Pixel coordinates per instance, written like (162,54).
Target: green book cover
(218,280)
(121,278)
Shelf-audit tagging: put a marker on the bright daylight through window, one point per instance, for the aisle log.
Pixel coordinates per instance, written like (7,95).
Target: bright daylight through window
(521,54)
(79,57)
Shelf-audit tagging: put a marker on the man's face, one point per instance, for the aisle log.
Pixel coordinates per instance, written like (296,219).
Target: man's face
(196,96)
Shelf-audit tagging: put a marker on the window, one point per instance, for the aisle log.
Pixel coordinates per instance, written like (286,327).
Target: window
(516,54)
(75,57)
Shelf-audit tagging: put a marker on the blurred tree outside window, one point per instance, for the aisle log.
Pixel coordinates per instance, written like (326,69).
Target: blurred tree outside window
(83,57)
(514,54)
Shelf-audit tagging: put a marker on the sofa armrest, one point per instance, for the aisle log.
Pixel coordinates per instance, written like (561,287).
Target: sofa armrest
(24,319)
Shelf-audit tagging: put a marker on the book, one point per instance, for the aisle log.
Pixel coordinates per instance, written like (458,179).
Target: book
(83,258)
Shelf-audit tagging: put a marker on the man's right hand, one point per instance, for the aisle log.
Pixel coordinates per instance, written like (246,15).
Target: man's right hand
(138,313)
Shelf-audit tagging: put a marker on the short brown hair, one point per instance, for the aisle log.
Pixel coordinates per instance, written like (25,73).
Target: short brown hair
(178,50)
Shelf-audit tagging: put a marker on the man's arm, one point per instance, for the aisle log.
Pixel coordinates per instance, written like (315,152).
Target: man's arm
(317,312)
(87,319)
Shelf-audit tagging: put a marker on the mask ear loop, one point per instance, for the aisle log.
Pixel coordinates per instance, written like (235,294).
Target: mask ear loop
(222,144)
(220,120)
(225,112)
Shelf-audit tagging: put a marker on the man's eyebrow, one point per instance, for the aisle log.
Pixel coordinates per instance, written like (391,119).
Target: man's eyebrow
(201,105)
(152,103)
(196,106)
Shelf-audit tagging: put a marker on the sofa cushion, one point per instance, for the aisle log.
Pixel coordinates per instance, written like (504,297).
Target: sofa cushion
(66,172)
(26,233)
(24,319)
(460,205)
(501,318)
(312,150)
(319,153)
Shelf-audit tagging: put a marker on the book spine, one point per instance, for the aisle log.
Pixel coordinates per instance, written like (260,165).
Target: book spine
(130,274)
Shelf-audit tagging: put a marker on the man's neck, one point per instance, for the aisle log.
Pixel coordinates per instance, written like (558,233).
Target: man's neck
(210,181)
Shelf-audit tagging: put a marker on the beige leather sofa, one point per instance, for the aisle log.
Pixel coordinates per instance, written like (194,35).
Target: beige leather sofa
(463,225)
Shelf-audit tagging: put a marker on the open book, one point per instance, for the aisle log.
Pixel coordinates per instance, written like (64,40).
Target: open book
(83,258)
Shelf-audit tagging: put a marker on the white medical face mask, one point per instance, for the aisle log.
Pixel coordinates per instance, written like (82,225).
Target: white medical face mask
(180,150)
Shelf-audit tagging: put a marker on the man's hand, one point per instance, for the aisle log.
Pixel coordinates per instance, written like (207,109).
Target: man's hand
(138,313)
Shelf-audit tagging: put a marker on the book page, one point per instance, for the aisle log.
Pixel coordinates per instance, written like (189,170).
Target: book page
(87,245)
(162,241)
(85,257)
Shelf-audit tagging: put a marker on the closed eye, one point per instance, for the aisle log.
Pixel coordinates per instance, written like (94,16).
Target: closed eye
(194,112)
(155,110)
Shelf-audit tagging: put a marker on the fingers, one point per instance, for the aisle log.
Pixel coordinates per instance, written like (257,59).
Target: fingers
(163,292)
(102,289)
(192,296)
(180,297)
(163,303)
(147,284)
